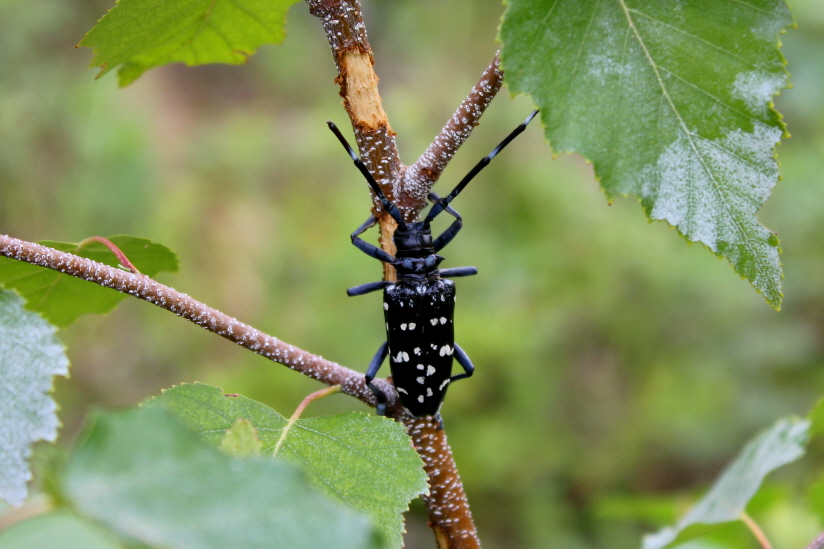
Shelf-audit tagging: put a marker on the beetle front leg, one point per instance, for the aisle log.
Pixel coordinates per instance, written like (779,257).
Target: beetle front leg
(367,248)
(466,364)
(447,236)
(374,366)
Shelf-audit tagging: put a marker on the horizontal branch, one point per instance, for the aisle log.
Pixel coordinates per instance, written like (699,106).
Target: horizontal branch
(143,287)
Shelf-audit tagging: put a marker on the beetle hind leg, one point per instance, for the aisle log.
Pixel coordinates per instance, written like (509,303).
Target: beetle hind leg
(466,364)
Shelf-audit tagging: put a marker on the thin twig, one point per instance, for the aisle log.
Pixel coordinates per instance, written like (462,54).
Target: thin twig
(143,287)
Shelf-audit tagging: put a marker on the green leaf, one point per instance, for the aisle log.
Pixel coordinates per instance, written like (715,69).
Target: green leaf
(364,461)
(241,440)
(817,418)
(671,103)
(30,355)
(57,530)
(147,477)
(137,35)
(728,498)
(61,299)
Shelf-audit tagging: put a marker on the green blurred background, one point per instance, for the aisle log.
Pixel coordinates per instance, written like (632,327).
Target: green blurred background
(618,368)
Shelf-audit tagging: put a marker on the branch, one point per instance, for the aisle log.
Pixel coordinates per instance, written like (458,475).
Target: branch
(143,287)
(817,543)
(449,514)
(421,176)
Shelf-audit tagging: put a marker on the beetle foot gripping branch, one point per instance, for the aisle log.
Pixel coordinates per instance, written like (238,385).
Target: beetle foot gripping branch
(419,308)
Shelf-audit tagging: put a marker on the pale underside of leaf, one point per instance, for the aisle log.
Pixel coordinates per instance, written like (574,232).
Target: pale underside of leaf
(783,443)
(671,102)
(30,355)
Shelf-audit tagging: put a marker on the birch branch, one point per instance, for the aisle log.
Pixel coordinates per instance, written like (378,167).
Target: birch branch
(143,287)
(449,514)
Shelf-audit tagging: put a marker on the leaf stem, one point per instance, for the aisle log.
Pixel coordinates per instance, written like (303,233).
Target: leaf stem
(317,395)
(121,257)
(756,530)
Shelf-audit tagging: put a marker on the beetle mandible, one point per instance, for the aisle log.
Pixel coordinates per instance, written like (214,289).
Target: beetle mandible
(418,307)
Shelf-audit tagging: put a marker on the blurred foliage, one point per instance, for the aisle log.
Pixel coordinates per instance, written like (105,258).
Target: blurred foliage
(618,369)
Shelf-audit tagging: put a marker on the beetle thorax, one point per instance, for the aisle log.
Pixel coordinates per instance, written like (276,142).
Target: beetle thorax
(415,252)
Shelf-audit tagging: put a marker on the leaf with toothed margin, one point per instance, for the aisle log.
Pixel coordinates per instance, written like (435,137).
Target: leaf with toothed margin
(143,475)
(30,355)
(366,462)
(137,35)
(61,299)
(671,103)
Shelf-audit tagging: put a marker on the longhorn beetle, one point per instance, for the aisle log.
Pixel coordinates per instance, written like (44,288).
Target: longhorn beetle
(419,307)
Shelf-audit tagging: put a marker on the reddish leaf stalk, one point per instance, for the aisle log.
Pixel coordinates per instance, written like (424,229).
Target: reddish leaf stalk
(121,257)
(449,514)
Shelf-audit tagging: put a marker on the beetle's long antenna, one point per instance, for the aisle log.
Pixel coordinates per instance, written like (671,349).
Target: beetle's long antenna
(390,208)
(441,205)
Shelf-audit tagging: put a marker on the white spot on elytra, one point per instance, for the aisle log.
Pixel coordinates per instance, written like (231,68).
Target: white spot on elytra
(421,380)
(443,320)
(411,325)
(434,346)
(402,390)
(446,350)
(420,399)
(402,357)
(417,350)
(385,306)
(421,366)
(434,321)
(403,326)
(430,370)
(444,384)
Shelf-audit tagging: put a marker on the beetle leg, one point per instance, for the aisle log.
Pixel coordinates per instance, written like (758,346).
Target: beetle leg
(374,366)
(457,271)
(447,236)
(369,287)
(465,363)
(367,248)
